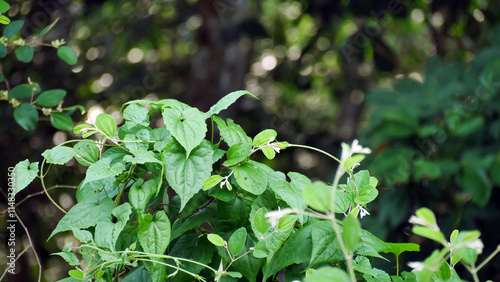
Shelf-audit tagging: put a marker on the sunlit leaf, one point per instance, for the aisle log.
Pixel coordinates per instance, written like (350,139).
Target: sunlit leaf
(58,155)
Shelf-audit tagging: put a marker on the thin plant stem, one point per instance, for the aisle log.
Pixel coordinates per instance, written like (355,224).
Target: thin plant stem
(45,189)
(489,258)
(314,149)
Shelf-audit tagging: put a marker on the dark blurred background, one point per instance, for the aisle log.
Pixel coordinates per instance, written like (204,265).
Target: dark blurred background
(403,76)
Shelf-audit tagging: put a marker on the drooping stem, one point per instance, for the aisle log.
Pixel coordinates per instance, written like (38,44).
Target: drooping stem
(45,189)
(314,149)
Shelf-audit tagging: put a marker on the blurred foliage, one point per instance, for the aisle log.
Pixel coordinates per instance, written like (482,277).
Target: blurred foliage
(311,63)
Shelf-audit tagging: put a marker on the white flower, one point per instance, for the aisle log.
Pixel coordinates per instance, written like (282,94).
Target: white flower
(275,147)
(355,148)
(362,211)
(273,217)
(417,265)
(476,245)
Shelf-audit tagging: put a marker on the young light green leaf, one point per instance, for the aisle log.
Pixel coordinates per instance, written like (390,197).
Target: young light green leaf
(86,153)
(225,102)
(187,126)
(186,174)
(351,232)
(154,234)
(102,169)
(24,53)
(215,239)
(328,274)
(318,195)
(427,215)
(399,248)
(287,222)
(78,128)
(13,28)
(83,236)
(68,256)
(211,182)
(24,173)
(264,137)
(234,274)
(237,153)
(26,116)
(290,192)
(353,160)
(4,20)
(232,133)
(251,178)
(140,195)
(67,54)
(260,220)
(59,155)
(269,153)
(106,124)
(367,194)
(85,214)
(237,241)
(61,121)
(50,98)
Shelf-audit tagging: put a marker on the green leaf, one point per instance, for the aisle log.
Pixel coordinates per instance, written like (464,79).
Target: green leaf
(287,222)
(21,91)
(161,136)
(248,266)
(237,241)
(85,214)
(237,153)
(318,195)
(58,155)
(194,219)
(290,192)
(86,153)
(234,274)
(264,137)
(154,234)
(367,194)
(211,182)
(83,236)
(186,174)
(13,28)
(475,181)
(67,54)
(24,174)
(61,121)
(4,6)
(47,28)
(77,274)
(225,102)
(399,248)
(142,157)
(140,195)
(3,49)
(26,116)
(50,98)
(251,178)
(351,232)
(353,160)
(232,133)
(187,126)
(106,124)
(342,201)
(215,239)
(426,232)
(323,247)
(427,215)
(24,53)
(260,250)
(328,274)
(260,220)
(137,114)
(102,169)
(78,128)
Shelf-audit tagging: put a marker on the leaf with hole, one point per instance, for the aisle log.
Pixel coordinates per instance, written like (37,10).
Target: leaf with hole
(86,153)
(251,178)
